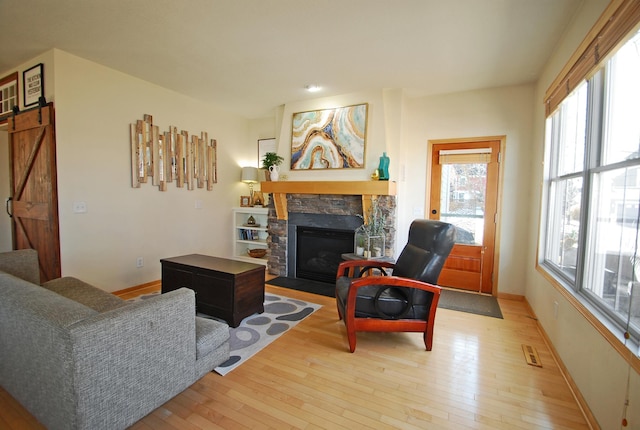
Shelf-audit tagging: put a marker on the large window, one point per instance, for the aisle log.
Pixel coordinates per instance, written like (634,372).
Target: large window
(591,238)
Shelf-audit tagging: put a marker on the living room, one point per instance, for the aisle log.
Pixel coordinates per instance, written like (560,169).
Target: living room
(95,104)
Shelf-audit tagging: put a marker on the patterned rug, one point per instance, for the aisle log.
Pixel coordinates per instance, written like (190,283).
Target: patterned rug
(255,332)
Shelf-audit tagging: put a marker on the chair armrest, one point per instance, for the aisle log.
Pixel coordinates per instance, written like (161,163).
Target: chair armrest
(347,268)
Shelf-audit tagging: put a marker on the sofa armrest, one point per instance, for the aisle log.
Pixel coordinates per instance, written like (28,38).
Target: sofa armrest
(22,263)
(131,359)
(36,353)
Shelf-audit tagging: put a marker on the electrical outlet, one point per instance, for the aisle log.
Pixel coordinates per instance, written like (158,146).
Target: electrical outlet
(555,310)
(139,262)
(198,204)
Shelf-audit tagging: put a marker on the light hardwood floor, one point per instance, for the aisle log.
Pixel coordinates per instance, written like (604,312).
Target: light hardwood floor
(475,377)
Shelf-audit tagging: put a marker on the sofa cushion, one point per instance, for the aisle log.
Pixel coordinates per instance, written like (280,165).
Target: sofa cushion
(391,301)
(36,305)
(22,263)
(81,292)
(210,334)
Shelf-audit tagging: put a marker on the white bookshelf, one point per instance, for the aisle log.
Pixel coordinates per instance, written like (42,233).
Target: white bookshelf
(247,237)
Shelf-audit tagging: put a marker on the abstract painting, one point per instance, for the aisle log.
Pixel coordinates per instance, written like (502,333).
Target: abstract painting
(329,138)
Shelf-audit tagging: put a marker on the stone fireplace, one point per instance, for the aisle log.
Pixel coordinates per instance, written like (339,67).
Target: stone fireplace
(318,209)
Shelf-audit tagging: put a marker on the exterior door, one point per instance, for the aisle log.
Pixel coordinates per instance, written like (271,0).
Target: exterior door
(464,192)
(33,204)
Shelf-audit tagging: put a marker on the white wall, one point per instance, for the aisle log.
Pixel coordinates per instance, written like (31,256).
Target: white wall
(600,373)
(260,128)
(376,143)
(402,127)
(384,134)
(491,112)
(94,107)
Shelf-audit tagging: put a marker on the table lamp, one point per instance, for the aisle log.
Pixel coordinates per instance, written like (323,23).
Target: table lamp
(250,177)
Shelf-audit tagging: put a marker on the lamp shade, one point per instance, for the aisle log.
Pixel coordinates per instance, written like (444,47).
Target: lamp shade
(250,175)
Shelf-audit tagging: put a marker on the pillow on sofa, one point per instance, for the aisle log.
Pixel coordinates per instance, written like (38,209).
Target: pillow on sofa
(86,294)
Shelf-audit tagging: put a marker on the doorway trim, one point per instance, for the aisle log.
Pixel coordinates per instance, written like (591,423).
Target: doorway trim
(503,141)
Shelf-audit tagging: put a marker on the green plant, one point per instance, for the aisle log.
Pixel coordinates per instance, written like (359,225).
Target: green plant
(376,219)
(271,159)
(373,226)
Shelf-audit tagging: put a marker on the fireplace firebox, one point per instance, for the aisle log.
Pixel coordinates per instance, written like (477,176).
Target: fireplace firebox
(319,252)
(316,243)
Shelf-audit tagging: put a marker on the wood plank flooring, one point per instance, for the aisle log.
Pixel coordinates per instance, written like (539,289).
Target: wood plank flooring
(476,377)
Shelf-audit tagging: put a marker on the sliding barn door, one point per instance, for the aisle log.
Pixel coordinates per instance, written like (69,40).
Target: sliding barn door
(33,204)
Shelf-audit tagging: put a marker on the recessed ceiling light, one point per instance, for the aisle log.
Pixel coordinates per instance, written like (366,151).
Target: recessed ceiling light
(312,88)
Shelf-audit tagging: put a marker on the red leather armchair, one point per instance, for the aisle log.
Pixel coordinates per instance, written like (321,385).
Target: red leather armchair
(368,299)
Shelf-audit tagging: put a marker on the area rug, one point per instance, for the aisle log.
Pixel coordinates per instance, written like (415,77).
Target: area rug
(306,285)
(470,302)
(255,332)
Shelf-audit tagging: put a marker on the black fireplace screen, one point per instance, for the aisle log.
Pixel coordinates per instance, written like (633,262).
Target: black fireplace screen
(319,250)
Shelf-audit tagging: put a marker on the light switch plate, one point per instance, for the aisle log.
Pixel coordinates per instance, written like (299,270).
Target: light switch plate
(79,207)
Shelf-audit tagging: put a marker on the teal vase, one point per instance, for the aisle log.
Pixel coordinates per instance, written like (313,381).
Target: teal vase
(383,168)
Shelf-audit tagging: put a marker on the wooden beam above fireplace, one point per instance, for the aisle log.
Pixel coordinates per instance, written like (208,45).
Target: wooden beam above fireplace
(366,189)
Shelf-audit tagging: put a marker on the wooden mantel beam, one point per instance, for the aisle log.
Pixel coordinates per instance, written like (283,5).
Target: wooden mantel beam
(366,189)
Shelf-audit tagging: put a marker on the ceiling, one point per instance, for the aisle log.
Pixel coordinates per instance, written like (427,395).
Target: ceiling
(250,56)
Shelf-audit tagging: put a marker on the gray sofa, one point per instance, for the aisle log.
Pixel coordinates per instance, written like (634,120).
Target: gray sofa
(78,357)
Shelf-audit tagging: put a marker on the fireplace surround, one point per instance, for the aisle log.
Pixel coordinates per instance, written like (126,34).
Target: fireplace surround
(328,211)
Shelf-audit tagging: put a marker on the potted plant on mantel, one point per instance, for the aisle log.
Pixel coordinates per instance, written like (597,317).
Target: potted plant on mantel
(270,163)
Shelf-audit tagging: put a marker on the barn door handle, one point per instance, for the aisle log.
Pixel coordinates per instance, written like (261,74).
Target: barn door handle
(7,204)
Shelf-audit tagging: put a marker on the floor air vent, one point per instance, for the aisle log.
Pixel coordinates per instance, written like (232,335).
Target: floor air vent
(530,353)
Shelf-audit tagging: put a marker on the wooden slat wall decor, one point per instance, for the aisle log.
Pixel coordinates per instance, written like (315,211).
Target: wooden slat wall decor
(171,156)
(180,160)
(155,156)
(212,162)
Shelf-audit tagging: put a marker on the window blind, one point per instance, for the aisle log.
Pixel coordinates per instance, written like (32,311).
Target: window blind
(615,25)
(465,156)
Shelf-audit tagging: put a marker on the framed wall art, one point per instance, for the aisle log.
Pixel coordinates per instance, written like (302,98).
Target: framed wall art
(329,138)
(33,84)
